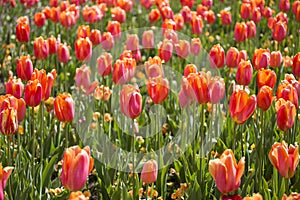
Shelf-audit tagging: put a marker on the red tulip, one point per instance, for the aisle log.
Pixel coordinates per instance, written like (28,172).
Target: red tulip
(118,14)
(149,172)
(125,4)
(130,101)
(256,15)
(287,91)
(166,13)
(210,17)
(23,29)
(148,39)
(241,106)
(52,44)
(285,159)
(226,172)
(82,79)
(244,73)
(246,10)
(286,113)
(207,3)
(165,50)
(296,65)
(4,175)
(195,46)
(188,3)
(216,89)
(92,14)
(76,166)
(114,27)
(232,57)
(24,67)
(83,31)
(64,108)
(67,19)
(197,25)
(95,37)
(225,17)
(190,68)
(14,87)
(217,56)
(266,77)
(63,53)
(251,29)
(18,104)
(104,63)
(54,14)
(267,12)
(201,10)
(279,31)
(39,19)
(33,93)
(107,41)
(275,59)
(146,4)
(242,55)
(154,15)
(261,58)
(186,14)
(158,89)
(83,49)
(284,5)
(264,97)
(178,18)
(240,32)
(296,10)
(40,48)
(295,83)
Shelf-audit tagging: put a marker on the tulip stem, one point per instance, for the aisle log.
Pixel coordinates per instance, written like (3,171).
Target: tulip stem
(133,165)
(33,146)
(9,163)
(202,137)
(42,147)
(152,190)
(67,134)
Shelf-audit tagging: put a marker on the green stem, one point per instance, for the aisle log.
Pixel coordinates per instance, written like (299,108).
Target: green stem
(133,165)
(41,147)
(33,146)
(202,138)
(9,162)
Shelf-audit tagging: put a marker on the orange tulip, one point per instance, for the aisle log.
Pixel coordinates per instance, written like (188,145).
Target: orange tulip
(182,48)
(83,31)
(287,91)
(53,14)
(292,196)
(286,113)
(52,44)
(77,196)
(178,18)
(153,67)
(130,101)
(225,17)
(195,46)
(241,106)
(296,65)
(77,163)
(124,70)
(226,172)
(216,89)
(251,29)
(165,50)
(46,81)
(82,79)
(166,13)
(40,48)
(24,67)
(125,4)
(186,14)
(261,58)
(18,104)
(67,19)
(64,107)
(244,73)
(158,89)
(264,97)
(148,39)
(197,25)
(33,93)
(154,15)
(9,120)
(92,14)
(118,14)
(23,29)
(284,5)
(285,159)
(279,31)
(201,10)
(14,87)
(275,59)
(240,32)
(232,57)
(295,83)
(188,69)
(114,27)
(4,175)
(95,37)
(246,10)
(216,56)
(63,53)
(168,24)
(266,77)
(149,172)
(39,19)
(104,63)
(267,12)
(254,197)
(83,49)
(107,41)
(210,17)
(256,15)
(296,10)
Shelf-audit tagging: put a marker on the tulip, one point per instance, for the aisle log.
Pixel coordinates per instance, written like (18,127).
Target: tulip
(183,99)
(64,107)
(104,63)
(114,27)
(244,73)
(95,37)
(296,10)
(295,83)
(63,53)
(171,35)
(292,196)
(148,39)
(14,87)
(166,13)
(158,89)
(284,5)
(120,72)
(195,46)
(18,104)
(33,93)
(245,11)
(130,101)
(9,121)
(188,3)
(83,31)
(201,10)
(23,29)
(92,14)
(154,15)
(76,166)
(210,17)
(241,106)
(146,4)
(67,19)
(267,12)
(40,48)
(52,44)
(232,197)
(207,3)
(149,172)
(83,49)
(125,4)
(190,68)
(82,79)
(165,50)
(216,56)
(197,25)
(296,65)
(153,67)
(46,80)
(107,41)
(287,91)
(279,31)
(130,65)
(232,57)
(132,42)
(4,175)
(77,196)
(226,172)
(53,3)
(261,58)
(256,15)
(242,55)
(275,59)
(168,24)
(264,97)
(286,113)
(266,77)
(178,18)
(39,19)
(251,29)
(118,14)
(54,14)
(24,67)
(182,48)
(240,32)
(186,14)
(254,197)
(225,17)
(216,89)
(285,159)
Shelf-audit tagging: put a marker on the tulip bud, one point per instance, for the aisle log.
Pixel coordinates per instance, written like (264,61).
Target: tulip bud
(266,77)
(95,37)
(83,49)
(225,17)
(190,68)
(130,101)
(244,73)
(41,48)
(232,55)
(104,63)
(279,31)
(195,46)
(240,32)
(165,50)
(284,5)
(63,53)
(118,14)
(154,15)
(23,29)
(33,93)
(158,89)
(216,89)
(114,27)
(216,56)
(275,59)
(14,87)
(264,97)
(24,67)
(261,58)
(64,108)
(149,172)
(182,49)
(107,41)
(251,29)
(186,14)
(52,44)
(39,19)
(197,25)
(148,39)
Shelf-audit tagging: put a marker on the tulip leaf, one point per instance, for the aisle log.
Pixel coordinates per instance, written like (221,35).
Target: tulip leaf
(48,170)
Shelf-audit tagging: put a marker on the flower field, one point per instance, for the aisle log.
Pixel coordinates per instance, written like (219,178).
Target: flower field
(149,99)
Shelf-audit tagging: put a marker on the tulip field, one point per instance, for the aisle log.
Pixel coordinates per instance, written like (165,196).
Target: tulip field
(149,99)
